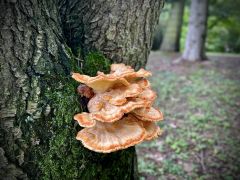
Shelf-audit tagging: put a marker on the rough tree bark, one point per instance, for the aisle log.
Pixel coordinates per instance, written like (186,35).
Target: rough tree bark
(41,42)
(171,38)
(197,29)
(122,30)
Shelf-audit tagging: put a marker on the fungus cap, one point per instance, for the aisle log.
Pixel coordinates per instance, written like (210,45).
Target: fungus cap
(102,110)
(121,69)
(118,96)
(84,119)
(148,114)
(148,95)
(143,83)
(120,74)
(109,137)
(101,82)
(128,72)
(142,73)
(152,130)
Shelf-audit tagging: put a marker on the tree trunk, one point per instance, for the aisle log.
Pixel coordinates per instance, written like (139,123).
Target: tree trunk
(41,43)
(122,30)
(197,28)
(171,38)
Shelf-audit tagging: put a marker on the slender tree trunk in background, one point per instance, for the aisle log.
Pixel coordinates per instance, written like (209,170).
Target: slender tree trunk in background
(171,38)
(41,43)
(197,29)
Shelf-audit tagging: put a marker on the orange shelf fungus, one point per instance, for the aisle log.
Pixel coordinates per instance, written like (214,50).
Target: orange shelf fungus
(103,111)
(120,109)
(101,82)
(109,137)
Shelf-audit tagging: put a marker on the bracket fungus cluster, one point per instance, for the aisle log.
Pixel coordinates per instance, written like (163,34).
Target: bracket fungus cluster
(120,109)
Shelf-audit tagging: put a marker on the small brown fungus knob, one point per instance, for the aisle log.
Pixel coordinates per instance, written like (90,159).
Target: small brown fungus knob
(85,91)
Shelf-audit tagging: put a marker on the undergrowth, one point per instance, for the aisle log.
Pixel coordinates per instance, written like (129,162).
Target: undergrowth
(200,140)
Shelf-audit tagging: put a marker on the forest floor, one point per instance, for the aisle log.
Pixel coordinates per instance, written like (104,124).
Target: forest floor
(201,106)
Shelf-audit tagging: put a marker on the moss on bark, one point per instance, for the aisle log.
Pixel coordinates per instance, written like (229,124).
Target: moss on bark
(59,155)
(94,62)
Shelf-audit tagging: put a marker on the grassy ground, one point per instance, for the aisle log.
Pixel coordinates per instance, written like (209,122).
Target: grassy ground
(201,104)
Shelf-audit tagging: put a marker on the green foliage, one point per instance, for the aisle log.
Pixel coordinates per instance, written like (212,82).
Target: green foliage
(94,62)
(172,168)
(223,33)
(147,166)
(178,145)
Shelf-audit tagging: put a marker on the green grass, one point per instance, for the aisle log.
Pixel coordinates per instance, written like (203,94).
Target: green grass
(200,140)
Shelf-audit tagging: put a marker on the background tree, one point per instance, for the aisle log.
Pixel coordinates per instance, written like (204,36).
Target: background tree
(41,43)
(195,41)
(171,38)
